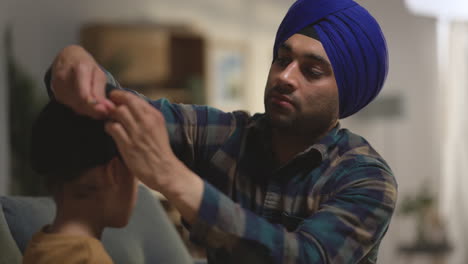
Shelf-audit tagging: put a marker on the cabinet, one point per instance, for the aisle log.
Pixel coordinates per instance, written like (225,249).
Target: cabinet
(156,60)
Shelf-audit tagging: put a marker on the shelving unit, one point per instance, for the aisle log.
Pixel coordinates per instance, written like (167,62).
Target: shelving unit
(156,60)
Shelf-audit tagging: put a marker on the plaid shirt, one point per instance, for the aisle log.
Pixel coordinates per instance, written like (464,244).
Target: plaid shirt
(331,204)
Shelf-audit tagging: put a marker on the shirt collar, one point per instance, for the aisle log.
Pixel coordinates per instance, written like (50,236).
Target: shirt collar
(326,142)
(262,133)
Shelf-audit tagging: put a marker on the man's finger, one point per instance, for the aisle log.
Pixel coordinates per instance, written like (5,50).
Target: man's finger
(98,83)
(86,103)
(82,88)
(123,116)
(90,108)
(99,112)
(82,80)
(136,105)
(98,90)
(121,97)
(119,135)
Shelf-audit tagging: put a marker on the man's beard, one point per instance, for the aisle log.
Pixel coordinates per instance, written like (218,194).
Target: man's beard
(315,122)
(310,126)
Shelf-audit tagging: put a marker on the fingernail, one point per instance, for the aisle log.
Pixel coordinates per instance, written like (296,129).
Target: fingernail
(92,101)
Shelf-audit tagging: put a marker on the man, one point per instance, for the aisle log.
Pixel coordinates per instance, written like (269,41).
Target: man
(287,186)
(91,186)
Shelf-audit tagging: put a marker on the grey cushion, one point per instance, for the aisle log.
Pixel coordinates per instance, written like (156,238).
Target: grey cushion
(9,252)
(148,238)
(25,216)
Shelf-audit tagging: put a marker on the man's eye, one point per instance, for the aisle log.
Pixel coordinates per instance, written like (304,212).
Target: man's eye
(282,61)
(314,74)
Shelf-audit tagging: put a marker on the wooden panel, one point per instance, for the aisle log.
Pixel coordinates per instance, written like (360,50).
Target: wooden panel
(135,54)
(156,60)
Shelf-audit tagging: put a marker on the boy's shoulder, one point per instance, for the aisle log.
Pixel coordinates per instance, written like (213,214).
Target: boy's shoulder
(48,248)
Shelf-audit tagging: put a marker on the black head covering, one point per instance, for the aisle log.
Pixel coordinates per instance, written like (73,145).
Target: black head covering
(65,143)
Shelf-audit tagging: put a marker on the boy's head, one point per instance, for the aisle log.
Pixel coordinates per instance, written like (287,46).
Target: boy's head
(81,164)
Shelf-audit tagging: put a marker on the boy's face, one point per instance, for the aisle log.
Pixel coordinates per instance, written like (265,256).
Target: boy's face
(121,198)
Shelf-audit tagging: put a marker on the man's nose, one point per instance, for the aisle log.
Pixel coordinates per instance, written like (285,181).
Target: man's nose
(289,77)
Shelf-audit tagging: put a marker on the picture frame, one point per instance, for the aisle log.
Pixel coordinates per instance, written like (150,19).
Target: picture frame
(227,74)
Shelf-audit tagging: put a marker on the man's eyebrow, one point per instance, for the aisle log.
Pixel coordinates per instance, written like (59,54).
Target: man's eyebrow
(312,56)
(319,59)
(285,47)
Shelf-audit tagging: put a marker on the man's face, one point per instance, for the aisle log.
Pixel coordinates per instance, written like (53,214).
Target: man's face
(301,91)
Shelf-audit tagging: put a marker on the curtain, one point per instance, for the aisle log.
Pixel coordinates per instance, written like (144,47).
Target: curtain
(453,79)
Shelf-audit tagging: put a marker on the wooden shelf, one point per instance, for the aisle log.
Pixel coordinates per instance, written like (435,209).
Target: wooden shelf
(151,57)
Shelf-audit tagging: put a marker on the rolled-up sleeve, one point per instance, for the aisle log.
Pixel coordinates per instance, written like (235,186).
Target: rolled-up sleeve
(346,227)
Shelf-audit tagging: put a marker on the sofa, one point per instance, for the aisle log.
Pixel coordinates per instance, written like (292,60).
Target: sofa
(148,238)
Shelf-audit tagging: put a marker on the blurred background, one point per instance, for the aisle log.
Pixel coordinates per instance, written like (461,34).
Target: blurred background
(219,52)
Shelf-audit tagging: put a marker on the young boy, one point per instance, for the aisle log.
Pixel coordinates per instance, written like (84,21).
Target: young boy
(90,184)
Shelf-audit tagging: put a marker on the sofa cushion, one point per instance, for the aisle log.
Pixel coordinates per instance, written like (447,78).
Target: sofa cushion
(10,253)
(148,238)
(25,216)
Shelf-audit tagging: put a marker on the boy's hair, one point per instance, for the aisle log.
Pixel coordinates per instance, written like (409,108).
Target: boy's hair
(65,144)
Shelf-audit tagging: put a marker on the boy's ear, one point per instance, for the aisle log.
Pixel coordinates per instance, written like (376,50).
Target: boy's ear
(111,172)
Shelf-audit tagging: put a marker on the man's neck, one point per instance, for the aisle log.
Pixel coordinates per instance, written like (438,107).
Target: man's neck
(287,144)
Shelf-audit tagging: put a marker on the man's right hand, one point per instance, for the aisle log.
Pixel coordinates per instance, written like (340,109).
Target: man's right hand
(79,82)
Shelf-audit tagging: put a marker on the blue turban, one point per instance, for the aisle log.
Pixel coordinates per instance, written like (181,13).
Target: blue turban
(353,41)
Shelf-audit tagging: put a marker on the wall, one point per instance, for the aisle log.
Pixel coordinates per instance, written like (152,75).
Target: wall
(3,107)
(409,139)
(408,142)
(54,24)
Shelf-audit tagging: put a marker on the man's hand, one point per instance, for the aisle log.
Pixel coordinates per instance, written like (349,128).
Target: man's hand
(141,136)
(140,133)
(78,82)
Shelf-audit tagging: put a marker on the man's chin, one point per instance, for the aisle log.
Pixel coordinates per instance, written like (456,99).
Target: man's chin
(280,121)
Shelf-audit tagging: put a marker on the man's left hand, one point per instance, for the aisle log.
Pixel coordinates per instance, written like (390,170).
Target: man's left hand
(140,133)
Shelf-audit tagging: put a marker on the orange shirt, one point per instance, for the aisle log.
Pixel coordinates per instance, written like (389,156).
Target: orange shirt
(47,248)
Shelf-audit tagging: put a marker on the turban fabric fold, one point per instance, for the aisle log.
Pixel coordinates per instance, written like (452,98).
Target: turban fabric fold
(353,41)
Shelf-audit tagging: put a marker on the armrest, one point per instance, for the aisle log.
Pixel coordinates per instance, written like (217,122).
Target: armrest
(10,253)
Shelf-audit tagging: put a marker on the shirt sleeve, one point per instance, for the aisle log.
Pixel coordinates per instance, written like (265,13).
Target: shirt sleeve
(197,132)
(347,226)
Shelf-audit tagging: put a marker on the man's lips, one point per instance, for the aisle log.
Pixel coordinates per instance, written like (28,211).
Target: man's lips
(281,100)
